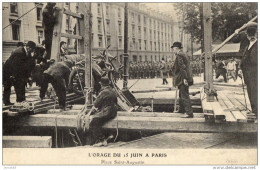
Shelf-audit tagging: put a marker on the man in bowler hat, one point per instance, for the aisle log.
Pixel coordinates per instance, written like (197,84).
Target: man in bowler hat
(249,63)
(182,78)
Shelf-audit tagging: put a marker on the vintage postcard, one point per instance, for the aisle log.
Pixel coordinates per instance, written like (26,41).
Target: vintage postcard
(130,83)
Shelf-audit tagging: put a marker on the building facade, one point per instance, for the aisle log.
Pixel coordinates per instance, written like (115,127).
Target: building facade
(150,33)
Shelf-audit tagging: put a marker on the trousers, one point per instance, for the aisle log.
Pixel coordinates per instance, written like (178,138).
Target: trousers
(184,99)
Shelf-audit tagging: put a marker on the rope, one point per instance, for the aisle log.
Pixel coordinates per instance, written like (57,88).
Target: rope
(78,137)
(28,105)
(117,131)
(56,132)
(73,138)
(22,16)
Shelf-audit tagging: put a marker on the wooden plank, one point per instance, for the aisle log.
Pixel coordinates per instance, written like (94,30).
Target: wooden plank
(158,124)
(238,105)
(237,114)
(229,116)
(140,114)
(217,110)
(27,141)
(71,36)
(73,14)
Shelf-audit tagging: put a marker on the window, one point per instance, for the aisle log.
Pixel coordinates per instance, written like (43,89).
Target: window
(39,14)
(151,34)
(99,8)
(150,23)
(144,20)
(140,45)
(120,43)
(40,36)
(133,30)
(133,40)
(159,46)
(108,40)
(139,19)
(120,28)
(155,58)
(145,44)
(145,34)
(108,27)
(119,13)
(151,58)
(99,26)
(154,24)
(100,41)
(139,31)
(107,11)
(158,25)
(67,22)
(133,17)
(145,58)
(140,58)
(151,45)
(155,46)
(154,34)
(13,7)
(162,46)
(15,30)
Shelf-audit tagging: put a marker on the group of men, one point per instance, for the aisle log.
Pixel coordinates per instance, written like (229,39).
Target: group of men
(228,69)
(148,69)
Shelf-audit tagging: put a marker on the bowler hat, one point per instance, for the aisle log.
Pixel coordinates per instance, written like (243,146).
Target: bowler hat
(177,44)
(31,44)
(104,81)
(251,28)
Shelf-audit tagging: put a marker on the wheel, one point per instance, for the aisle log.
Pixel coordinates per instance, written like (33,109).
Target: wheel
(77,81)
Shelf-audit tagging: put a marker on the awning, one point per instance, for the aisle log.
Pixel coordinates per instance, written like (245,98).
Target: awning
(226,49)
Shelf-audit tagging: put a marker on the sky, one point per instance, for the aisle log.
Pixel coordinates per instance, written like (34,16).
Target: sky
(167,8)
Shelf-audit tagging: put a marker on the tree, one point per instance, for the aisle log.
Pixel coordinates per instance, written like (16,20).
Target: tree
(227,17)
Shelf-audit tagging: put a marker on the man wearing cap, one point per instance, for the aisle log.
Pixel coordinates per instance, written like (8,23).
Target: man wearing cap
(106,109)
(16,71)
(182,78)
(249,64)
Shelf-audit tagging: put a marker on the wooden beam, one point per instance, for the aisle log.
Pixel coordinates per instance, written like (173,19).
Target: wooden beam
(27,141)
(207,20)
(159,124)
(71,36)
(73,14)
(55,48)
(88,52)
(140,114)
(166,101)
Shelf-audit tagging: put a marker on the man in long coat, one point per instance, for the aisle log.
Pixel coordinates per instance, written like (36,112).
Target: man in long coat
(16,71)
(249,63)
(182,78)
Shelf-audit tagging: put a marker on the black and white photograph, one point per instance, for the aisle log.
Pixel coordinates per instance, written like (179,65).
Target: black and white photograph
(130,83)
